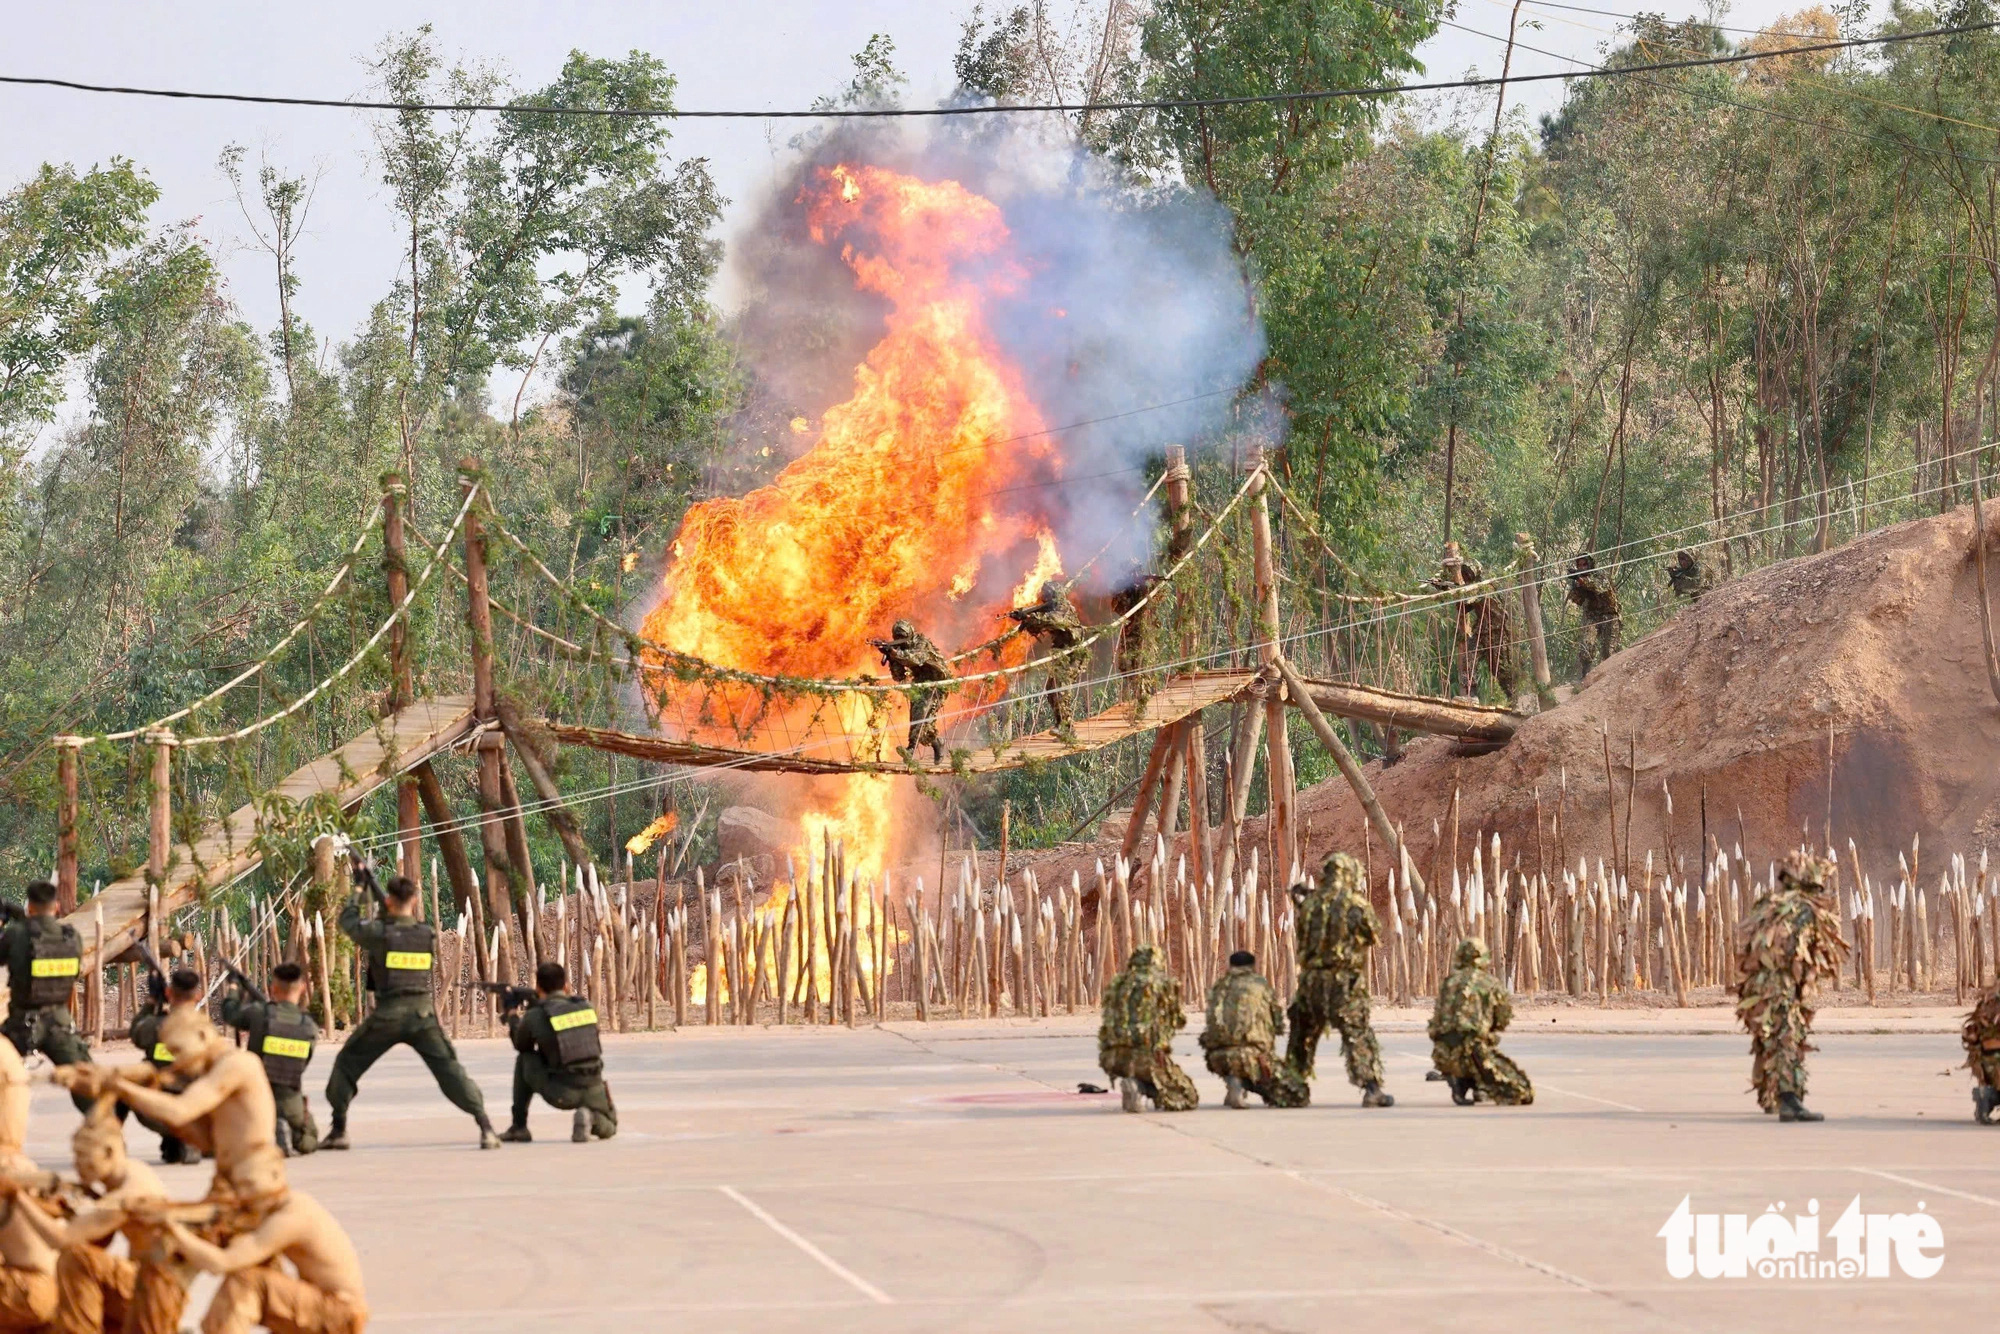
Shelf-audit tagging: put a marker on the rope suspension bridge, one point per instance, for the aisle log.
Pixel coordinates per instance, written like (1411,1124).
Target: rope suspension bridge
(699,715)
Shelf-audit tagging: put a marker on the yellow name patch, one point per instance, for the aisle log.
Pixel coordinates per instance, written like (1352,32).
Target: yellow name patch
(411,959)
(53,967)
(562,1023)
(161,1056)
(298,1048)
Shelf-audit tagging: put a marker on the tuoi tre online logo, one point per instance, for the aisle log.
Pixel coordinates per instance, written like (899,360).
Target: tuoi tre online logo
(1774,1246)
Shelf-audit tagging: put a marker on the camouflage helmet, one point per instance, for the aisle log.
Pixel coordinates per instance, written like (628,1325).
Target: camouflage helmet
(903,630)
(1343,872)
(1143,958)
(1472,953)
(1806,872)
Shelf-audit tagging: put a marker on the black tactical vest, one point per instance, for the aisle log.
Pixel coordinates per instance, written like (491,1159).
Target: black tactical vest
(573,1037)
(401,964)
(55,956)
(282,1036)
(146,1037)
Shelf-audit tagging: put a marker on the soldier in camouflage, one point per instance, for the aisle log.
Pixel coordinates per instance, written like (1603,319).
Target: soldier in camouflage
(1602,617)
(1135,1035)
(1791,947)
(1244,1020)
(1335,926)
(1484,637)
(911,656)
(1052,618)
(1981,1035)
(1473,1009)
(1687,577)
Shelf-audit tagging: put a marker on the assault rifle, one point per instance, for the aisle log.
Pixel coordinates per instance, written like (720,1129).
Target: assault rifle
(512,996)
(242,980)
(364,876)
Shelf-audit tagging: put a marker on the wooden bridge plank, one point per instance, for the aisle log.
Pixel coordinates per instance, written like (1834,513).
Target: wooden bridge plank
(223,852)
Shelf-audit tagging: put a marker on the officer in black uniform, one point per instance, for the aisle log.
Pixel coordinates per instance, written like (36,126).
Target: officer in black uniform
(561,1058)
(145,1035)
(44,956)
(282,1034)
(401,952)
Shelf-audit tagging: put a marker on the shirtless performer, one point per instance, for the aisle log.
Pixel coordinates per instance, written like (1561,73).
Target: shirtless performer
(97,1290)
(27,1261)
(325,1298)
(224,1107)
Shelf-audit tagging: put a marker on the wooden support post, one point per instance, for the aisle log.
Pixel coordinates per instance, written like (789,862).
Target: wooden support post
(68,750)
(457,866)
(1278,748)
(1531,613)
(1350,769)
(554,812)
(1197,790)
(517,837)
(159,850)
(1135,829)
(479,624)
(1242,763)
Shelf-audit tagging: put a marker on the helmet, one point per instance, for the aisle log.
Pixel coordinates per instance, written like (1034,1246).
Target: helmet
(903,630)
(1472,953)
(1144,957)
(1342,871)
(1806,872)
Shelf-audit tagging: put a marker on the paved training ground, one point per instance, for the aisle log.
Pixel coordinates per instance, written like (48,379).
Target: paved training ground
(947,1177)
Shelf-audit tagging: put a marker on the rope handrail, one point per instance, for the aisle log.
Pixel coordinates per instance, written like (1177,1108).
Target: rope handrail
(345,568)
(1385,597)
(395,615)
(676,660)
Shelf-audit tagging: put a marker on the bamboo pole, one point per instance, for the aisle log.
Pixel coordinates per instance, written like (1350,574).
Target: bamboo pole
(1278,749)
(1350,769)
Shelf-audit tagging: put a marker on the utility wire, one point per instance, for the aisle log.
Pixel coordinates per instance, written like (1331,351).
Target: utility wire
(898,113)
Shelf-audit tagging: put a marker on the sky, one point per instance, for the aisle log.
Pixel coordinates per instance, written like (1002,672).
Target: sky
(751,54)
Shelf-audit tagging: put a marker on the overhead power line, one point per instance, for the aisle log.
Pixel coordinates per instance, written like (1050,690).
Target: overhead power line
(894,113)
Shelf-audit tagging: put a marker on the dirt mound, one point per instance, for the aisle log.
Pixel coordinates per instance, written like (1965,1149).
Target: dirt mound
(1872,651)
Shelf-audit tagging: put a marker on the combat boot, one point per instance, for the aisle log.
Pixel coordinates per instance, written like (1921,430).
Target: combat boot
(516,1134)
(1984,1102)
(1234,1097)
(1464,1092)
(1791,1109)
(173,1152)
(1373,1096)
(336,1136)
(579,1126)
(487,1139)
(1129,1096)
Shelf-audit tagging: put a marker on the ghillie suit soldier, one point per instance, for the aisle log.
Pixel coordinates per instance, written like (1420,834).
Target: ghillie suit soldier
(44,957)
(1981,1035)
(912,657)
(1791,946)
(1244,1020)
(1132,642)
(1687,577)
(1484,636)
(559,1057)
(1052,619)
(1335,926)
(282,1034)
(1472,1010)
(1598,601)
(1135,1036)
(401,953)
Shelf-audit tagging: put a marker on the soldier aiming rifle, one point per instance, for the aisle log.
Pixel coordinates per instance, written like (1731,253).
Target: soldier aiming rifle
(912,657)
(559,1057)
(282,1035)
(401,953)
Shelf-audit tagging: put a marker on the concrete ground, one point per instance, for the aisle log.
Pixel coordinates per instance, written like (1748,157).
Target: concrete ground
(949,1177)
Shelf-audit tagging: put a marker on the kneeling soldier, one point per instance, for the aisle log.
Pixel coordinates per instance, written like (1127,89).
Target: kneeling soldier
(1473,1009)
(145,1035)
(1243,1023)
(561,1059)
(282,1034)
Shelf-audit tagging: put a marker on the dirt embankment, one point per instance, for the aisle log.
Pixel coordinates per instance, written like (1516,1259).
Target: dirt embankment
(1872,651)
